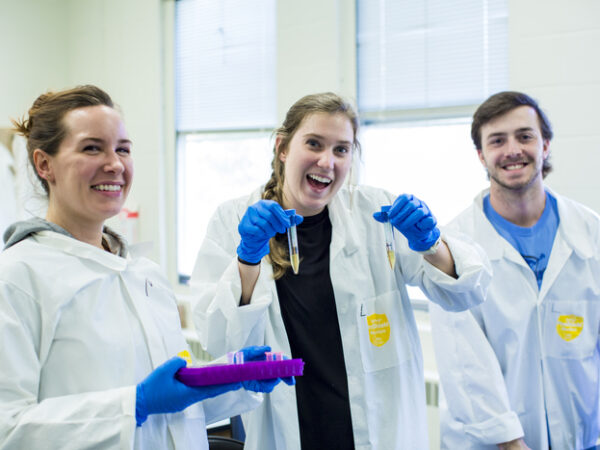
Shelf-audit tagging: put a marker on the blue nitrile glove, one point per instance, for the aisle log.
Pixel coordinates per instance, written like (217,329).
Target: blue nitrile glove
(290,381)
(260,223)
(413,219)
(257,353)
(162,393)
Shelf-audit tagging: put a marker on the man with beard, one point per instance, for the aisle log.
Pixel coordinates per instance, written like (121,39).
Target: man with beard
(521,370)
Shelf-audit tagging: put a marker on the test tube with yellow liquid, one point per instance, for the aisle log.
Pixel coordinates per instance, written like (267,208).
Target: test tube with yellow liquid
(390,243)
(292,235)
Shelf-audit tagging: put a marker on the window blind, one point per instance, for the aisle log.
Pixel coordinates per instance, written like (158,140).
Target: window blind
(225,64)
(420,54)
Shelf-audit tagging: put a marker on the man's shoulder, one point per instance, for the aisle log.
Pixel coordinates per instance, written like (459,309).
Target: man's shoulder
(567,206)
(579,222)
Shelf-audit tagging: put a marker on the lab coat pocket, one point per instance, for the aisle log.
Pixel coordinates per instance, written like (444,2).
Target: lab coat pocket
(571,328)
(384,341)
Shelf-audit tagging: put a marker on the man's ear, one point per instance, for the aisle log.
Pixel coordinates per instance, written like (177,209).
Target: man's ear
(546,149)
(481,158)
(43,165)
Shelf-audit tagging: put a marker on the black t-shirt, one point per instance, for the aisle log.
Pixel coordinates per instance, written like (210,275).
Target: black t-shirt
(310,317)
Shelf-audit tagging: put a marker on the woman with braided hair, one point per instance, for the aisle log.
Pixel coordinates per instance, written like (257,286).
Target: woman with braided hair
(345,313)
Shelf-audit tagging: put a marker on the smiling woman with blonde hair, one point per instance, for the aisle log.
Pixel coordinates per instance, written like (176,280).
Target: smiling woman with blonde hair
(90,331)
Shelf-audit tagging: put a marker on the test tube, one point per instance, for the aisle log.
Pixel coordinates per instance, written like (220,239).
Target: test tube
(238,358)
(390,244)
(292,235)
(274,356)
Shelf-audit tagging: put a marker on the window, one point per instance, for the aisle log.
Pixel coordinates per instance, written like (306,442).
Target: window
(225,102)
(224,64)
(423,68)
(422,54)
(432,160)
(213,168)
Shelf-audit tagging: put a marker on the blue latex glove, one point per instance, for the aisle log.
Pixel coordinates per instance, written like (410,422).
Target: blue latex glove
(260,223)
(257,353)
(290,381)
(162,393)
(413,219)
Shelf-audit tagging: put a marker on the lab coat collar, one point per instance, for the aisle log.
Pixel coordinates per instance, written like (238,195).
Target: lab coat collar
(81,250)
(573,232)
(495,246)
(254,197)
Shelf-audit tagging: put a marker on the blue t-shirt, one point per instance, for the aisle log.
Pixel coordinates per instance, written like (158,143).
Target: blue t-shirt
(533,243)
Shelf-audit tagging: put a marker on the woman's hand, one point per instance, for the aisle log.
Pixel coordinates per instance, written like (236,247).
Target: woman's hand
(257,353)
(414,220)
(261,222)
(162,393)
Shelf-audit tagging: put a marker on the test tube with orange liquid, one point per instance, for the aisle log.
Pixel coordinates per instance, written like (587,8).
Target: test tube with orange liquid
(390,243)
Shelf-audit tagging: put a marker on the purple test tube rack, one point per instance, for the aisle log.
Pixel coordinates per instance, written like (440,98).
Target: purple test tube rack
(232,373)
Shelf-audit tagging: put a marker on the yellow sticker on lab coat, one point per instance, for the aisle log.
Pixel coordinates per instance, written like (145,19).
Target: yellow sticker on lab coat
(379,329)
(568,327)
(185,355)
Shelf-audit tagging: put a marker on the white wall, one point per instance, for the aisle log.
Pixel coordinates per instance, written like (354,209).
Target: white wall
(554,58)
(315,50)
(33,56)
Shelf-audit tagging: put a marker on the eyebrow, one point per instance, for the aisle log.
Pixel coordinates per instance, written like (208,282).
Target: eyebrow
(504,133)
(520,130)
(101,141)
(318,136)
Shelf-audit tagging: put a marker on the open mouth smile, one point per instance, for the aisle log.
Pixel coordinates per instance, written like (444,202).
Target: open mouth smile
(514,165)
(108,187)
(318,181)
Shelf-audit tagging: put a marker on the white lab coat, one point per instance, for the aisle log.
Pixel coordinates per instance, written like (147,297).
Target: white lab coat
(503,360)
(385,383)
(80,327)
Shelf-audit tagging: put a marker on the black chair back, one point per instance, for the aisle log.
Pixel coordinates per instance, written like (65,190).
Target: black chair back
(224,443)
